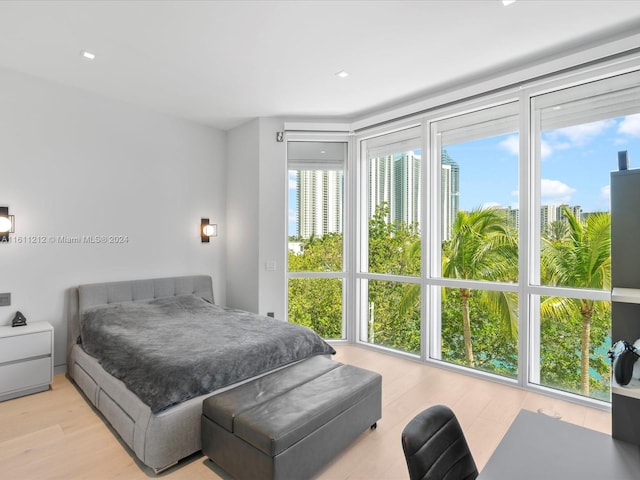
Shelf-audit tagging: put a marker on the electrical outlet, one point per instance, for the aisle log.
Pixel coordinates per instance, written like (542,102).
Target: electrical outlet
(270,314)
(5,299)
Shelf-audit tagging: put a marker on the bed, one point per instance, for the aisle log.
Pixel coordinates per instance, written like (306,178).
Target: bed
(126,338)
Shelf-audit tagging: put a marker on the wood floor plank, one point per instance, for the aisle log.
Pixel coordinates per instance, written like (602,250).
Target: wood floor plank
(58,435)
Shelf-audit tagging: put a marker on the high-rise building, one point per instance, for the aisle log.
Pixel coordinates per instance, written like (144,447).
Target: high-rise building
(575,209)
(511,216)
(449,193)
(395,180)
(548,215)
(319,195)
(553,213)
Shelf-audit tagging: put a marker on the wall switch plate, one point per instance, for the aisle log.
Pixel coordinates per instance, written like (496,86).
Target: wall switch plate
(5,299)
(271,266)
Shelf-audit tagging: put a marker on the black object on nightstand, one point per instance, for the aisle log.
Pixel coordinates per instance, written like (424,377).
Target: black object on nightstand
(19,320)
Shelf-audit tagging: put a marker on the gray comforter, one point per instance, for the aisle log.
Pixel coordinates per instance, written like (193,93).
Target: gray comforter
(168,350)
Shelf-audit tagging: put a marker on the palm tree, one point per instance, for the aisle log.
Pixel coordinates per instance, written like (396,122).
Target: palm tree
(557,231)
(480,248)
(582,260)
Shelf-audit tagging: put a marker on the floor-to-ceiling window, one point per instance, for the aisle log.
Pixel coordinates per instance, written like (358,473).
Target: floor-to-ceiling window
(577,133)
(316,277)
(390,240)
(474,275)
(479,234)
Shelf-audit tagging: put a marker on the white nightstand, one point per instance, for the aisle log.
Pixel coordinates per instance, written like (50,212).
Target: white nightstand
(26,359)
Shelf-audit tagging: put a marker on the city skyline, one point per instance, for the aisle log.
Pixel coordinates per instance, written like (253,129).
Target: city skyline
(575,166)
(319,196)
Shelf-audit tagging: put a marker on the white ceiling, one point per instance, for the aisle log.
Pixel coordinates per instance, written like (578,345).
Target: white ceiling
(222,63)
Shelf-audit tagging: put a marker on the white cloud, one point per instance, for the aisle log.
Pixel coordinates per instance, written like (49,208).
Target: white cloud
(545,149)
(605,193)
(511,144)
(575,135)
(555,192)
(488,205)
(562,146)
(630,125)
(584,133)
(293,182)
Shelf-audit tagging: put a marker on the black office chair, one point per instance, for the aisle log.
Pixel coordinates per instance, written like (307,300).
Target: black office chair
(435,447)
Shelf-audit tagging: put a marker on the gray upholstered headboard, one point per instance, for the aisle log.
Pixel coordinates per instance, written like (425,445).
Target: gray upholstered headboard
(118,292)
(89,295)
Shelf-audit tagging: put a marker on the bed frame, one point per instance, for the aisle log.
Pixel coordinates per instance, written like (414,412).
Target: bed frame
(158,440)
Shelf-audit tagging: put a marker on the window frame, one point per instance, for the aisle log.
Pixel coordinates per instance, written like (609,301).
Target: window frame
(533,102)
(529,224)
(346,251)
(402,135)
(493,111)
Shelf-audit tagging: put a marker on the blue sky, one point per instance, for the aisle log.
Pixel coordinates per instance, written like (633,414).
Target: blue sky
(292,204)
(575,168)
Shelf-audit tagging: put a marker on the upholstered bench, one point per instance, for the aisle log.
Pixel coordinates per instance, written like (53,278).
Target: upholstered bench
(290,423)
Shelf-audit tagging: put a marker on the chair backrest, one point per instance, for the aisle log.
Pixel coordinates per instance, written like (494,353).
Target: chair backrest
(435,448)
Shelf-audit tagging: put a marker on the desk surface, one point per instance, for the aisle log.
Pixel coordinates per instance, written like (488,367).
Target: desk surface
(537,446)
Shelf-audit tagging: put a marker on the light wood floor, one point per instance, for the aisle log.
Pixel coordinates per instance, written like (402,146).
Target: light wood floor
(57,435)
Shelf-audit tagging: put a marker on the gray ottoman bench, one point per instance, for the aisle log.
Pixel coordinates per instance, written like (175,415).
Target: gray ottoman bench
(289,424)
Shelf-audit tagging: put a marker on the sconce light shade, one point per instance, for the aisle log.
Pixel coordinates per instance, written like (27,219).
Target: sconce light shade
(7,224)
(210,230)
(207,230)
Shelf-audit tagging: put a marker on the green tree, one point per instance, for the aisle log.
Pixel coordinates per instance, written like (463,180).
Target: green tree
(319,254)
(394,248)
(574,254)
(317,302)
(482,248)
(582,259)
(557,231)
(386,326)
(494,351)
(559,352)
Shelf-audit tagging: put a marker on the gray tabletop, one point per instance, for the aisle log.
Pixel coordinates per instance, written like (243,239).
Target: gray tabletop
(538,447)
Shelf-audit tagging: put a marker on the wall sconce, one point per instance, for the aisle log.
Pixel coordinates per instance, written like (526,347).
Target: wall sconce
(207,230)
(7,224)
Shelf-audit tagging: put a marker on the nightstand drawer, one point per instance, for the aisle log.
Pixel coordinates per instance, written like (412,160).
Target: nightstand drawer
(25,346)
(23,375)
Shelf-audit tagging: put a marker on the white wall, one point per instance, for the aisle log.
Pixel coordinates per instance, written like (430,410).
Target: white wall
(256,213)
(273,217)
(74,164)
(242,216)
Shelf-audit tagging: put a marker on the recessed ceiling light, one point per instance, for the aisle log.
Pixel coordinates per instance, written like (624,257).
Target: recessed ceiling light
(88,55)
(508,2)
(342,74)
